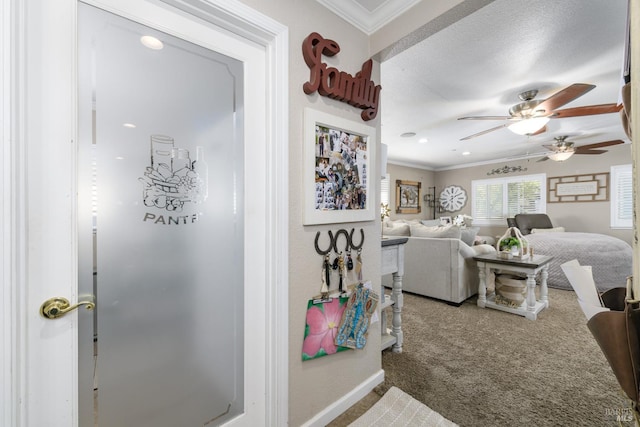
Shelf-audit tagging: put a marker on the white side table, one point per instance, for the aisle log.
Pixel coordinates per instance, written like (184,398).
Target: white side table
(392,263)
(530,266)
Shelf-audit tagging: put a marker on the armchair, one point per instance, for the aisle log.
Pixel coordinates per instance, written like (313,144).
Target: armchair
(526,222)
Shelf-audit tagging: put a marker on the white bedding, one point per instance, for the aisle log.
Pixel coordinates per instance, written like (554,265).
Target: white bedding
(609,257)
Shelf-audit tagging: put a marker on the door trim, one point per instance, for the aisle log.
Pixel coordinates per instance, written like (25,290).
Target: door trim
(15,357)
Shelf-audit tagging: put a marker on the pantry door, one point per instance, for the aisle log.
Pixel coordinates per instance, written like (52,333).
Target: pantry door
(148,158)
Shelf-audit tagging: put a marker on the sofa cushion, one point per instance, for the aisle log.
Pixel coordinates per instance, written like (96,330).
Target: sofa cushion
(396,230)
(449,231)
(431,222)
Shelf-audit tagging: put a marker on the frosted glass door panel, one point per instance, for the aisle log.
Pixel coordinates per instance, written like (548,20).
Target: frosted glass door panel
(167,146)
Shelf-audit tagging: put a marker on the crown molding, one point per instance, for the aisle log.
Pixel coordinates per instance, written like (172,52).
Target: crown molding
(365,20)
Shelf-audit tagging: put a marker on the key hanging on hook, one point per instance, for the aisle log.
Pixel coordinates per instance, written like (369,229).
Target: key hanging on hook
(341,272)
(359,265)
(326,283)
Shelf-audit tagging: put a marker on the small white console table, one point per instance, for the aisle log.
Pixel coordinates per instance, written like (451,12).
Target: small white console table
(392,263)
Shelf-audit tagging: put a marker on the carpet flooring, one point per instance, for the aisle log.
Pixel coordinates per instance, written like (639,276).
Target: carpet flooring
(482,367)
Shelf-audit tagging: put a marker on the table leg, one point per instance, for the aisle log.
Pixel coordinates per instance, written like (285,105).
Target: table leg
(531,291)
(544,292)
(396,322)
(482,285)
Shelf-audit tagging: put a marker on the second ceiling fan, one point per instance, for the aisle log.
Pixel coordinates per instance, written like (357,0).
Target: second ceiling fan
(529,116)
(562,149)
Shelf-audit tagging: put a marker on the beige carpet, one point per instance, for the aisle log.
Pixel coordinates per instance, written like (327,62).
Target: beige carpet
(482,367)
(398,409)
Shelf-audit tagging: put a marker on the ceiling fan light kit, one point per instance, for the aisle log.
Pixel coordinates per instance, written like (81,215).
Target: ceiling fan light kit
(560,156)
(529,126)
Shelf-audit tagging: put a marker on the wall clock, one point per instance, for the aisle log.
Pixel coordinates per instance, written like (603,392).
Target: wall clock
(453,198)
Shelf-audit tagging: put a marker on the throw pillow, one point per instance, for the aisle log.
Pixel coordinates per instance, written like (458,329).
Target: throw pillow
(547,230)
(449,231)
(468,235)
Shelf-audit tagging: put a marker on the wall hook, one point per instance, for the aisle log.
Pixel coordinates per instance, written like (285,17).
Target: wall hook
(353,245)
(331,243)
(346,236)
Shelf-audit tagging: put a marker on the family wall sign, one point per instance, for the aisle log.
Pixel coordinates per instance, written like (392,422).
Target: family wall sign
(357,90)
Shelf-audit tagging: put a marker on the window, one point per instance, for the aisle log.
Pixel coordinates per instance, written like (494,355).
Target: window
(495,200)
(384,189)
(621,196)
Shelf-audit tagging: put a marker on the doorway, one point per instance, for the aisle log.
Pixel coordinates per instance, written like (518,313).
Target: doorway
(50,230)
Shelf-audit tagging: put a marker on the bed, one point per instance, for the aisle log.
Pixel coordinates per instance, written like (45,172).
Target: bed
(610,258)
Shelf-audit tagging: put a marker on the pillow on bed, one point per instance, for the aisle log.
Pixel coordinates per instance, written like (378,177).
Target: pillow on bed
(547,230)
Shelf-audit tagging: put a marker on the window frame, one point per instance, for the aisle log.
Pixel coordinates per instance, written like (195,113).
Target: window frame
(615,175)
(385,190)
(504,181)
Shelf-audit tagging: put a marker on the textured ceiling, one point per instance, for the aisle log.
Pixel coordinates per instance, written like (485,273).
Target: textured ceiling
(479,64)
(475,60)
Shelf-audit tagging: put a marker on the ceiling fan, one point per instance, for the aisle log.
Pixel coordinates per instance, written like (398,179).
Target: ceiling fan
(563,149)
(530,116)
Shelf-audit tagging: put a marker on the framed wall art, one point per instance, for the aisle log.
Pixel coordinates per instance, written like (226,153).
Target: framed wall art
(339,155)
(591,187)
(408,197)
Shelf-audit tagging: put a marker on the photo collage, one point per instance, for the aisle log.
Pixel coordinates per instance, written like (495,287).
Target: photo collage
(341,170)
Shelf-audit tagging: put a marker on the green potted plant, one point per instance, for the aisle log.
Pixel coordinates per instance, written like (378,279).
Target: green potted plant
(508,243)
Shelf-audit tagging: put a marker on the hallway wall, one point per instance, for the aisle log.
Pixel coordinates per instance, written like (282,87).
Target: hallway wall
(318,383)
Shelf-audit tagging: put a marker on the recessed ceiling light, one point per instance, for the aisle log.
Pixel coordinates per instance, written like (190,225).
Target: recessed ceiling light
(408,134)
(423,140)
(151,42)
(466,153)
(129,125)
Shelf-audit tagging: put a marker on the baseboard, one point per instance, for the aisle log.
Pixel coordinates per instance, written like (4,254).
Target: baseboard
(332,411)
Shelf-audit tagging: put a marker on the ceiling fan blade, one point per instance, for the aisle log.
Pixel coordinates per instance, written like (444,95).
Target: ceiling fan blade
(588,110)
(486,118)
(550,147)
(484,132)
(564,96)
(544,159)
(579,151)
(600,144)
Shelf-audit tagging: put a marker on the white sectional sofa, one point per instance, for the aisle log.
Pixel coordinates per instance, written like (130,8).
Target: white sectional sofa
(438,267)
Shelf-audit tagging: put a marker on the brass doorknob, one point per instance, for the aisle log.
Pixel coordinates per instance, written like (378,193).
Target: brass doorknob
(57,307)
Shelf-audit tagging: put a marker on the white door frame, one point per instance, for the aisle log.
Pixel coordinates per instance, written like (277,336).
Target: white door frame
(18,361)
